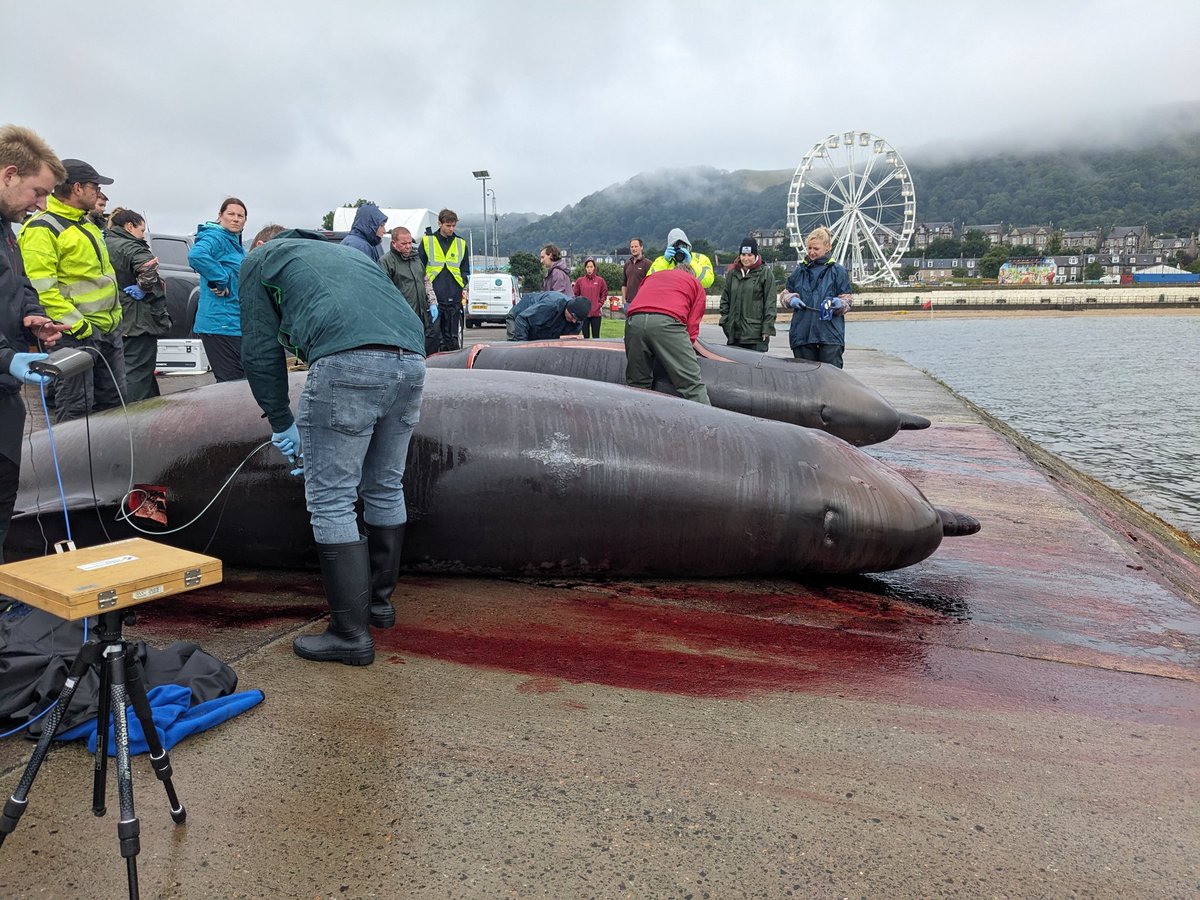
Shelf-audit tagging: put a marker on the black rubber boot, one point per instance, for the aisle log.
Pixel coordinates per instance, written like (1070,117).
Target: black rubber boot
(384,546)
(346,571)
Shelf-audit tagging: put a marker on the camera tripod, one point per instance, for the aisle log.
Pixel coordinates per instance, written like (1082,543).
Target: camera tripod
(120,681)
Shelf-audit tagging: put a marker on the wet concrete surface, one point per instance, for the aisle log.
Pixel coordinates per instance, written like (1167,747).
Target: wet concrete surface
(1015,716)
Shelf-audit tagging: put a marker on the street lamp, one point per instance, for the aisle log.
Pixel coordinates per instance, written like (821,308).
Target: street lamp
(483,176)
(495,227)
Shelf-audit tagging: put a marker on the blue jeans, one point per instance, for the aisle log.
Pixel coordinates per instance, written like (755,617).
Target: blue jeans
(356,418)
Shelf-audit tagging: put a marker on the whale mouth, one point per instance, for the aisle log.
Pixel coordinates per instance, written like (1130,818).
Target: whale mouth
(913,422)
(956,524)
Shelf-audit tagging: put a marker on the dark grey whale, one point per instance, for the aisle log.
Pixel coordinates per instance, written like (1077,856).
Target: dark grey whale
(518,473)
(786,390)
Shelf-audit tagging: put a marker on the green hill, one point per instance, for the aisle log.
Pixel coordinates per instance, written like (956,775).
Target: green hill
(1157,185)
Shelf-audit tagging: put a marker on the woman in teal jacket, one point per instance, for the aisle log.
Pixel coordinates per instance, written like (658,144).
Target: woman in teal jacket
(217,255)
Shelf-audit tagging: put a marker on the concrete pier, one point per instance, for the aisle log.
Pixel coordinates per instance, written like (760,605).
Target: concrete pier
(1018,716)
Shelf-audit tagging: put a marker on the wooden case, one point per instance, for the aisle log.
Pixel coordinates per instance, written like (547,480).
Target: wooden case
(91,580)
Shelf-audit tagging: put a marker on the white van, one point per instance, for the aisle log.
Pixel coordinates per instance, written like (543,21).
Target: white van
(490,295)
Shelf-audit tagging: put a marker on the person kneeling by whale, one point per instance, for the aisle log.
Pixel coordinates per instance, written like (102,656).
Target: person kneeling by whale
(364,346)
(663,324)
(546,316)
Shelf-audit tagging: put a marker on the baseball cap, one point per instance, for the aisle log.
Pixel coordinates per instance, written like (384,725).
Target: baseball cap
(79,171)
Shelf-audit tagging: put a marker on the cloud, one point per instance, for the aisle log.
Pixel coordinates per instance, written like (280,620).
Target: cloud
(299,106)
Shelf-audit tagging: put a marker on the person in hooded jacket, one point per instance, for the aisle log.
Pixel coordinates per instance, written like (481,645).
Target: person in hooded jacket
(366,234)
(594,288)
(217,256)
(819,291)
(546,316)
(144,315)
(748,300)
(558,276)
(679,252)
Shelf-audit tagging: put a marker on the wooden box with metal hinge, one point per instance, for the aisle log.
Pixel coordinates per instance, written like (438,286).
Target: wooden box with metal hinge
(74,584)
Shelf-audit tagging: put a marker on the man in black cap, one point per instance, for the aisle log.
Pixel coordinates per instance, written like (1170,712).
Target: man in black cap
(67,262)
(547,315)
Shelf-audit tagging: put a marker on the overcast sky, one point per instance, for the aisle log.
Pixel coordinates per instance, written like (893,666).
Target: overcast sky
(298,106)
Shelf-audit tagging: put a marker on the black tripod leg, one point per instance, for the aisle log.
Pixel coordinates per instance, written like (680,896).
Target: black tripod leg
(158,756)
(128,828)
(15,806)
(100,762)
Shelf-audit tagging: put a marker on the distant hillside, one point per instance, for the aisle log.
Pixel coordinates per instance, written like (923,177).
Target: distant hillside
(1156,185)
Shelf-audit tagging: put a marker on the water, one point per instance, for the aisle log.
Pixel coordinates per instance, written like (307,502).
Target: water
(1117,397)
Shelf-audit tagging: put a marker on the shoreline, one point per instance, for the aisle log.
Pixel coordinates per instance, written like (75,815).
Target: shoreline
(859,314)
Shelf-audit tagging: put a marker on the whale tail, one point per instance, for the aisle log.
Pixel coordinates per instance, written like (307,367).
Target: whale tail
(956,524)
(911,422)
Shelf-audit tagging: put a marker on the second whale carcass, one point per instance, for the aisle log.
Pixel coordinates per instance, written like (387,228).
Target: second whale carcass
(518,473)
(787,390)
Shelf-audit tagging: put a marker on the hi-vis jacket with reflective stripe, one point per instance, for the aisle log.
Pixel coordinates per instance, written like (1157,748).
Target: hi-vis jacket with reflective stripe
(701,266)
(439,259)
(67,263)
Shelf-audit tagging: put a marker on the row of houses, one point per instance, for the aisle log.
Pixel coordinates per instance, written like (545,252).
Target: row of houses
(1068,268)
(1119,239)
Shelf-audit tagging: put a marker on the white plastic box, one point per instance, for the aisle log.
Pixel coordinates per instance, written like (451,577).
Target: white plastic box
(181,356)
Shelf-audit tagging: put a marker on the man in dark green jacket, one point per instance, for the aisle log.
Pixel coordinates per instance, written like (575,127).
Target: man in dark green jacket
(364,345)
(402,264)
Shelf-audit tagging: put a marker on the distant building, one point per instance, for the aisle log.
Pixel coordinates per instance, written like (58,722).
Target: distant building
(928,232)
(1124,239)
(935,271)
(994,233)
(1035,236)
(1124,263)
(1171,245)
(1081,240)
(772,238)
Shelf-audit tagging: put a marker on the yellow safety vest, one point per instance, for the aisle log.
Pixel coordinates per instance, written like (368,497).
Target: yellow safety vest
(66,261)
(701,266)
(450,259)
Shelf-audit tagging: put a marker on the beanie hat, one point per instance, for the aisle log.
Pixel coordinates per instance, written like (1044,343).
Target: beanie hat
(748,245)
(580,307)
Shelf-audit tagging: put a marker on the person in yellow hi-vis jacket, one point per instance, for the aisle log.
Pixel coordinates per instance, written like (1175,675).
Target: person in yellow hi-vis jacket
(679,251)
(67,263)
(448,266)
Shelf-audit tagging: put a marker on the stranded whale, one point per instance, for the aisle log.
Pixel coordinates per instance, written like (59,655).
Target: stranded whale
(786,390)
(517,473)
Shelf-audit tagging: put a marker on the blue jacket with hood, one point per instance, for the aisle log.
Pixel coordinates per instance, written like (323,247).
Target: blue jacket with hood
(364,233)
(814,281)
(217,255)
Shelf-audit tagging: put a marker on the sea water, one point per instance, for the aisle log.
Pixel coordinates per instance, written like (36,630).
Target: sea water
(1118,397)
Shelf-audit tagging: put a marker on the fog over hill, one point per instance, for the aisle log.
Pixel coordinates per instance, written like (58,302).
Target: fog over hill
(1152,178)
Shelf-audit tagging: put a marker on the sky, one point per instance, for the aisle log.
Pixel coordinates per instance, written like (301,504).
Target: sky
(297,107)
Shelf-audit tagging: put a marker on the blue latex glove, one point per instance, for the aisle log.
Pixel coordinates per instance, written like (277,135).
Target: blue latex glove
(669,255)
(288,442)
(795,303)
(835,303)
(433,312)
(135,292)
(683,255)
(19,368)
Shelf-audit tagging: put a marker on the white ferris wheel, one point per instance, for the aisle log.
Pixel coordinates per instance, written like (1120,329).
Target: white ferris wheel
(858,186)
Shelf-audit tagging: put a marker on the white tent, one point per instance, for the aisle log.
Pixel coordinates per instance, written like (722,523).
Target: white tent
(1161,270)
(415,220)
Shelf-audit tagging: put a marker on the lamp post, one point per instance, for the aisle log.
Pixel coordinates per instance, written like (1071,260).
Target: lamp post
(482,175)
(495,228)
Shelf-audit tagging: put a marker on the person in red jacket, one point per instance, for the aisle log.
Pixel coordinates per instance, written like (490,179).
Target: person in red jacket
(592,287)
(663,323)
